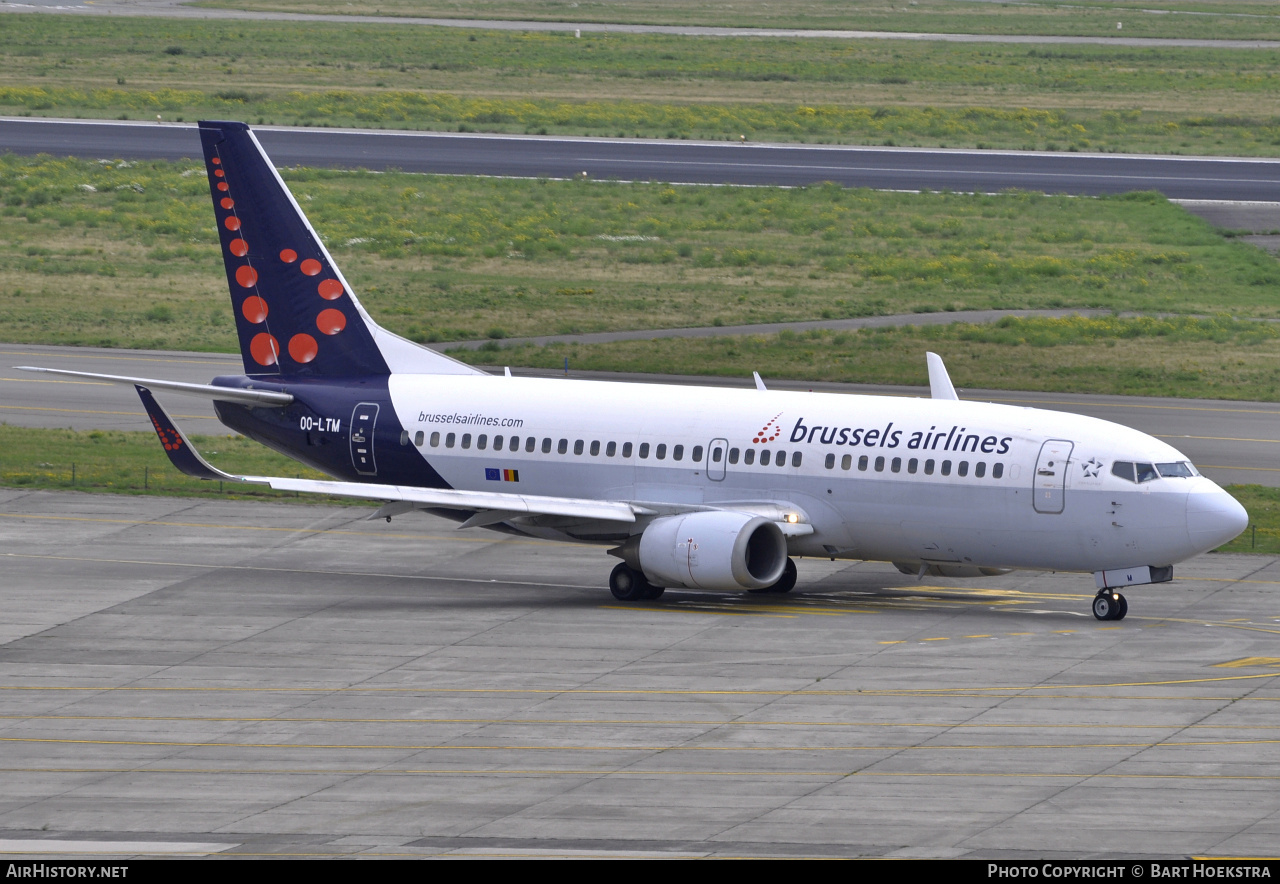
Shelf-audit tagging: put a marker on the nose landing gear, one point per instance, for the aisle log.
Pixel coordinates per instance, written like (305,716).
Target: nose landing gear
(1110,605)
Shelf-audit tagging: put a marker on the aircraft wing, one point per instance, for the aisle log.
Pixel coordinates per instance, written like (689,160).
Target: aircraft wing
(500,506)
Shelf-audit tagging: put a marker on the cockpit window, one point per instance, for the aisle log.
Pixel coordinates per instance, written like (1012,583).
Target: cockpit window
(1146,472)
(1123,469)
(1179,470)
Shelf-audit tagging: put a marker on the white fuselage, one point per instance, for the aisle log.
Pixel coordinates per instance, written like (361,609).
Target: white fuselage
(884,478)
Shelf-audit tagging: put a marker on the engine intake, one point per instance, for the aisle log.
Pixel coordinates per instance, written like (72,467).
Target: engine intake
(709,550)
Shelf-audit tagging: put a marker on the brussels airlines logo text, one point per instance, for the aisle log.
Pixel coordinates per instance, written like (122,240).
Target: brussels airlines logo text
(952,438)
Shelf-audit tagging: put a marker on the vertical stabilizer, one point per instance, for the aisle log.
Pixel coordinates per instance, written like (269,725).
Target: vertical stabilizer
(296,316)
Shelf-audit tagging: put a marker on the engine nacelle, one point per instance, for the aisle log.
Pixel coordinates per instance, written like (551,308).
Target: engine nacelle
(945,569)
(711,550)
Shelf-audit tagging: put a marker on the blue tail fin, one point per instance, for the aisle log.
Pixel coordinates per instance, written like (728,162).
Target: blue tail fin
(295,314)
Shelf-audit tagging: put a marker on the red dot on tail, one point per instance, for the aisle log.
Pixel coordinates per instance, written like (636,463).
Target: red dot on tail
(288,256)
(331,321)
(217,161)
(228,203)
(232,223)
(238,247)
(302,348)
(254,309)
(219,173)
(330,289)
(246,276)
(264,349)
(310,267)
(222,185)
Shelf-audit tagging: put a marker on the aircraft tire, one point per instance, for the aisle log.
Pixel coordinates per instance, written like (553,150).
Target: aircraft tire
(654,592)
(785,584)
(1106,605)
(628,585)
(1123,607)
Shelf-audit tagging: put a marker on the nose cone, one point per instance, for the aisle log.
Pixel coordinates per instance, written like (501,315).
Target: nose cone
(1213,518)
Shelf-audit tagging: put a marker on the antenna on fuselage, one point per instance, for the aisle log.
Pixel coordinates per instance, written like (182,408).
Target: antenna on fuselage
(939,381)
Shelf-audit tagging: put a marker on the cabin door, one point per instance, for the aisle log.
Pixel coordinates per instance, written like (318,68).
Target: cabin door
(1051,476)
(363,420)
(717,457)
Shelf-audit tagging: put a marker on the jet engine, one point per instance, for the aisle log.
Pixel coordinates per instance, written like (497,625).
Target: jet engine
(709,550)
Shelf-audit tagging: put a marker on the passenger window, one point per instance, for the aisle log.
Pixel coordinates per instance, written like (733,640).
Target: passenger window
(404,437)
(562,447)
(733,455)
(913,465)
(880,464)
(749,456)
(546,445)
(448,440)
(997,470)
(696,457)
(1123,469)
(979,470)
(715,455)
(765,456)
(962,469)
(578,445)
(611,449)
(862,463)
(846,462)
(418,437)
(531,443)
(896,465)
(830,462)
(677,453)
(928,467)
(466,440)
(482,442)
(644,450)
(795,458)
(1146,472)
(626,449)
(435,440)
(661,451)
(946,468)
(595,448)
(780,460)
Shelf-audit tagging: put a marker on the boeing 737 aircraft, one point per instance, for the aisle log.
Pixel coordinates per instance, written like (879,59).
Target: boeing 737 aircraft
(691,487)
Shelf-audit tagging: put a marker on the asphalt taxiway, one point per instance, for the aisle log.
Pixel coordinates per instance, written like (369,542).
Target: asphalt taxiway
(195,677)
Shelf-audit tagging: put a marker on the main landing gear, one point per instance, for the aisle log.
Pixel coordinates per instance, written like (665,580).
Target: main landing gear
(1110,605)
(628,585)
(786,582)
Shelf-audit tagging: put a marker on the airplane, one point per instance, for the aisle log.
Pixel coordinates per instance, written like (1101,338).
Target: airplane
(691,487)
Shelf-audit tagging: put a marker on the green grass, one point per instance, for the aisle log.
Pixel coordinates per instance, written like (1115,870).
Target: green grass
(1241,20)
(1183,357)
(1263,533)
(133,262)
(134,463)
(1095,98)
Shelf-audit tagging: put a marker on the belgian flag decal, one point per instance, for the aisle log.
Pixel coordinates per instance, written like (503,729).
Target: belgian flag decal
(492,475)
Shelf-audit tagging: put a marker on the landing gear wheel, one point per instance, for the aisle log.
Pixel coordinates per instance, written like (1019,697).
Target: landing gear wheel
(785,584)
(1109,605)
(654,592)
(628,585)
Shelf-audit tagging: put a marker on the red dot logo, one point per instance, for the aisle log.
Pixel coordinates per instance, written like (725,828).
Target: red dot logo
(246,276)
(288,256)
(219,173)
(331,321)
(238,247)
(232,223)
(330,289)
(217,161)
(302,348)
(264,349)
(310,267)
(228,203)
(222,185)
(254,309)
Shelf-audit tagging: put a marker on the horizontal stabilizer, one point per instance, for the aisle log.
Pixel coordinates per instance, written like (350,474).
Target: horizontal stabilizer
(207,391)
(180,452)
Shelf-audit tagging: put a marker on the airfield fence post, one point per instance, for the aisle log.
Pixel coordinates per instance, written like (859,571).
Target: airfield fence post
(1254,541)
(146,485)
(73,473)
